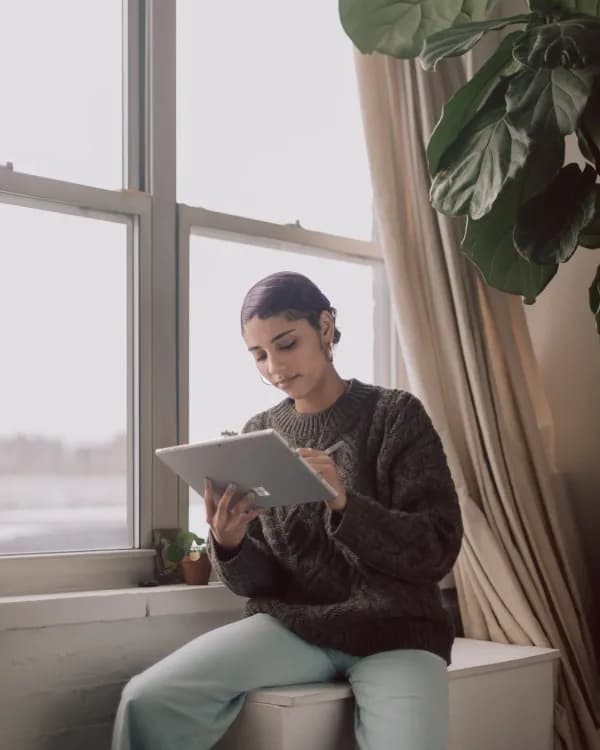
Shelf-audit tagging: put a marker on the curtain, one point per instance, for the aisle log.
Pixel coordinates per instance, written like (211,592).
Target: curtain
(466,353)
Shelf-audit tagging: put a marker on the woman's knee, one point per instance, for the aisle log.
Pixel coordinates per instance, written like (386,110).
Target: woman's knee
(418,673)
(140,690)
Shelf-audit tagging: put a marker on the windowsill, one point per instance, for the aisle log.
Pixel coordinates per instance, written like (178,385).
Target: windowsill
(109,605)
(48,573)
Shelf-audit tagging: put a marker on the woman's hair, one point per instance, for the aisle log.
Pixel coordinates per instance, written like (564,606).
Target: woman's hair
(290,294)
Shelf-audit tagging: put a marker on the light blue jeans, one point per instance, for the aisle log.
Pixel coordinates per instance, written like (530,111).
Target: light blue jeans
(190,698)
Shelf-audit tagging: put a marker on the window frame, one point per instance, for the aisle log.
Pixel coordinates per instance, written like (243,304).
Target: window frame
(158,269)
(284,238)
(65,571)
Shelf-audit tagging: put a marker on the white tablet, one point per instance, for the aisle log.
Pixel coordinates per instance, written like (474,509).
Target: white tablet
(260,461)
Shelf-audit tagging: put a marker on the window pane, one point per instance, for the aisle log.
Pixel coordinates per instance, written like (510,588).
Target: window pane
(268,120)
(60,77)
(225,387)
(63,382)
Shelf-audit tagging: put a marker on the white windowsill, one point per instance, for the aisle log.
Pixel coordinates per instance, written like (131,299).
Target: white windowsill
(49,573)
(109,605)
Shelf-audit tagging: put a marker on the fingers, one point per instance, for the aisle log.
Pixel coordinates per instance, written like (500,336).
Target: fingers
(209,500)
(227,498)
(224,511)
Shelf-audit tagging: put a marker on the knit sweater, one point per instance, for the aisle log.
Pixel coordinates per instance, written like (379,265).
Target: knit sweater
(365,579)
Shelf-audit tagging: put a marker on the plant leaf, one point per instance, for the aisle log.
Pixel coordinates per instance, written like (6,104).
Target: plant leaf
(399,27)
(548,225)
(588,132)
(592,7)
(473,171)
(553,97)
(572,43)
(595,298)
(587,6)
(460,39)
(590,235)
(174,553)
(488,243)
(583,6)
(466,101)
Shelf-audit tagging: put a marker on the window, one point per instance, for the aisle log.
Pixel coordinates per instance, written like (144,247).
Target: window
(268,115)
(60,77)
(224,386)
(63,382)
(107,282)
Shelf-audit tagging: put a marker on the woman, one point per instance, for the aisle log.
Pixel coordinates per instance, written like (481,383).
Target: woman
(345,589)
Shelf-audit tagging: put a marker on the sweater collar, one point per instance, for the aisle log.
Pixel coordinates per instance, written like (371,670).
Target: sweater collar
(336,417)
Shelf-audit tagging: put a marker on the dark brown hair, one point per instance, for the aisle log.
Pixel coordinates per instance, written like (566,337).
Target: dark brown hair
(290,294)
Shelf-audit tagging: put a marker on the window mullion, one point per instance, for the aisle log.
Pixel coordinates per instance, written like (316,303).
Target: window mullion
(159,179)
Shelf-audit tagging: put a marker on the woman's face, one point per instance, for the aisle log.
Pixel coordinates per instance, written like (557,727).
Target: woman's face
(288,353)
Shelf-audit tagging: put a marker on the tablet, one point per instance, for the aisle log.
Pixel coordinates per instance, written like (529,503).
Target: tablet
(259,461)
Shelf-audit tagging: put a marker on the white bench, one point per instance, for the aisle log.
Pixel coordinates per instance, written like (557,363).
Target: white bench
(501,696)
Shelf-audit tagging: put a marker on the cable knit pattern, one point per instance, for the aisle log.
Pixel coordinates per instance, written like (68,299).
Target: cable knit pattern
(365,579)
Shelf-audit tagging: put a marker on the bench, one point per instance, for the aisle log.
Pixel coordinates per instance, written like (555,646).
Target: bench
(501,696)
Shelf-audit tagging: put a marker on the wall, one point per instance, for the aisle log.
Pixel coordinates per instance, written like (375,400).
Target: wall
(61,683)
(567,349)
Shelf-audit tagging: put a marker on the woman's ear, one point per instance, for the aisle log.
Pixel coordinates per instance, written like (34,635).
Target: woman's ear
(327,326)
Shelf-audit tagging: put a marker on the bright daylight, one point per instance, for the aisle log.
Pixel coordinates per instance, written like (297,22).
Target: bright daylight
(300,310)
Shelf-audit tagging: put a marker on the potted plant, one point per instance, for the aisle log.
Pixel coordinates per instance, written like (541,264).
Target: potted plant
(190,550)
(496,155)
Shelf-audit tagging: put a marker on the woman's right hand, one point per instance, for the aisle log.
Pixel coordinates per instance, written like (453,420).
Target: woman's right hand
(228,525)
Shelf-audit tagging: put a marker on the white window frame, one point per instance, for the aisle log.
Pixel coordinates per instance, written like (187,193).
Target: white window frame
(283,238)
(158,269)
(41,573)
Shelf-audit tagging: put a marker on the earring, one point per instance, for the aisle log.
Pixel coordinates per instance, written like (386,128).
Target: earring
(265,381)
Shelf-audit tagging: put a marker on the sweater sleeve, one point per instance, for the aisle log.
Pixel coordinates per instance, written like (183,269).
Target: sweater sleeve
(250,569)
(415,533)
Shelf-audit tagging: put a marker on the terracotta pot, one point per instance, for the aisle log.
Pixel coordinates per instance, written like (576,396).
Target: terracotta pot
(196,572)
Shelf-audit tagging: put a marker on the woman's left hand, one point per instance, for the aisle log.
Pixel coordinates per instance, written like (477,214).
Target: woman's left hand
(326,467)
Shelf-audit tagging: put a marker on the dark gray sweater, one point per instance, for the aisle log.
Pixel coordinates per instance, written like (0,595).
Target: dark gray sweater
(366,579)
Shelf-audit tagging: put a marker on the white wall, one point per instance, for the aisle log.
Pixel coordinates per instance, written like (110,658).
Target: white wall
(61,684)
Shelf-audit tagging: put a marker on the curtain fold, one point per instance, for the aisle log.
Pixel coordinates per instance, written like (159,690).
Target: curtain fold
(466,353)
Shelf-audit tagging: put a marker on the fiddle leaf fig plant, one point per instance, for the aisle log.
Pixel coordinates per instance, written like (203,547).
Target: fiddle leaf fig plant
(496,155)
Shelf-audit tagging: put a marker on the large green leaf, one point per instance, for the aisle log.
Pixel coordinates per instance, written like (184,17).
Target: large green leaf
(548,225)
(572,43)
(577,6)
(459,39)
(473,171)
(488,243)
(399,27)
(466,101)
(595,298)
(590,234)
(586,6)
(588,132)
(537,98)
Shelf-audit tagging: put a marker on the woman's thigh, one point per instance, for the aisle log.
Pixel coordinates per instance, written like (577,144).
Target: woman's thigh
(256,651)
(401,700)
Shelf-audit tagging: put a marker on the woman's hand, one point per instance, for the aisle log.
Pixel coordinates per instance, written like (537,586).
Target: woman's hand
(227,524)
(325,466)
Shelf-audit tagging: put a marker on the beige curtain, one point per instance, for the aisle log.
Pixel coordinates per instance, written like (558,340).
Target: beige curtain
(466,353)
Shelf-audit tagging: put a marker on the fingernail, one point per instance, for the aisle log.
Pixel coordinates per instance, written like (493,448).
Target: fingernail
(233,486)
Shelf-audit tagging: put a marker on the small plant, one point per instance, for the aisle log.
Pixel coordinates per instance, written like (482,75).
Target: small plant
(186,543)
